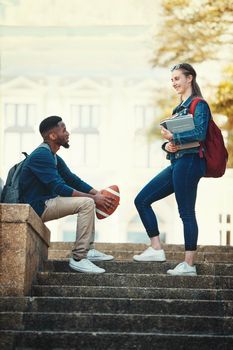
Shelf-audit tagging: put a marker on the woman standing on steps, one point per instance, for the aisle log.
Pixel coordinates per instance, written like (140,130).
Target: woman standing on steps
(180,177)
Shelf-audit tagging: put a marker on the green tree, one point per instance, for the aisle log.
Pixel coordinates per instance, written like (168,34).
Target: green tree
(223,104)
(194,31)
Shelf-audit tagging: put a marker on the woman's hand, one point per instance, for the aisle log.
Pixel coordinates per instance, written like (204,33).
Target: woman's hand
(166,133)
(105,201)
(171,148)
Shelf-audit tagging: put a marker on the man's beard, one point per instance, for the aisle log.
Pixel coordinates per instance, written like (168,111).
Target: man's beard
(66,145)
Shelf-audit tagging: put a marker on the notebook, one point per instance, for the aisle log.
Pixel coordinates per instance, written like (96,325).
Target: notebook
(179,124)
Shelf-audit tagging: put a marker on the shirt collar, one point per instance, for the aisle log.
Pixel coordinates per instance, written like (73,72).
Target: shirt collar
(187,102)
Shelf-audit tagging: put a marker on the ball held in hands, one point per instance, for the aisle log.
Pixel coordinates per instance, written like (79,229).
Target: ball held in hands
(114,193)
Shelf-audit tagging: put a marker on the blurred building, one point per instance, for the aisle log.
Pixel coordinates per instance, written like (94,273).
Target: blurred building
(91,66)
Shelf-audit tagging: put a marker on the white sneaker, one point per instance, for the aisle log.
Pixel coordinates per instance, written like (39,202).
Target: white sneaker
(151,254)
(85,265)
(183,269)
(95,255)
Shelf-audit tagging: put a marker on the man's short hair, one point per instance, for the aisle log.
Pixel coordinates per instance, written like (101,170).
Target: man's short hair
(49,123)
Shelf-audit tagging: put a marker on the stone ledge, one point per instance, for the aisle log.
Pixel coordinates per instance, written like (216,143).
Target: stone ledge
(23,213)
(24,242)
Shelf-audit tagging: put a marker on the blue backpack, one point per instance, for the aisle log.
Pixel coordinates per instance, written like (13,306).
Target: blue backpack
(10,191)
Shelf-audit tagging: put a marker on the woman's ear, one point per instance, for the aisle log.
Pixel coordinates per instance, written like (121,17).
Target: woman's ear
(189,78)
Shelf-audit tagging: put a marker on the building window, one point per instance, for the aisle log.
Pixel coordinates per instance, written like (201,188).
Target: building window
(19,118)
(228,238)
(225,228)
(144,149)
(85,120)
(19,122)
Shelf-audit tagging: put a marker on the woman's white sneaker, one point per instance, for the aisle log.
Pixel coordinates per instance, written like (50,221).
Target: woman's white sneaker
(85,265)
(183,269)
(151,254)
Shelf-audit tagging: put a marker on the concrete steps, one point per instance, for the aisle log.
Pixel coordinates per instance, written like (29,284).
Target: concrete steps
(135,280)
(126,251)
(128,306)
(126,267)
(101,322)
(133,292)
(112,341)
(131,306)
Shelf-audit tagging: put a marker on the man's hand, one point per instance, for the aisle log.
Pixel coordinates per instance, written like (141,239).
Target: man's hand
(105,201)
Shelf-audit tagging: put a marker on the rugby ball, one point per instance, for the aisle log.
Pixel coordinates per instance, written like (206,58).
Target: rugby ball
(113,192)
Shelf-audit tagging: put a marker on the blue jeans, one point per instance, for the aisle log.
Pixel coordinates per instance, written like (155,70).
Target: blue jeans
(181,178)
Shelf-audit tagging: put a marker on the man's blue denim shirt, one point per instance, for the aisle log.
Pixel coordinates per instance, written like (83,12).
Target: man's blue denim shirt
(201,119)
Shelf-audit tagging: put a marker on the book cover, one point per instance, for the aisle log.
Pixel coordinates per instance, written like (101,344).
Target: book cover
(188,145)
(179,124)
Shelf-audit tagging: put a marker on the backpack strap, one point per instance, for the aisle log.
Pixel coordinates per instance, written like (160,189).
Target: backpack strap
(194,103)
(45,145)
(25,154)
(192,111)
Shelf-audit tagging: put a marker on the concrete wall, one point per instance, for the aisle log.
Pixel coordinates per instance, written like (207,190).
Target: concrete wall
(24,242)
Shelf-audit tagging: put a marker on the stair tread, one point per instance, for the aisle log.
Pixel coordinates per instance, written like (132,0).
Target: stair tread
(133,288)
(196,335)
(35,298)
(113,340)
(125,251)
(77,273)
(124,305)
(110,322)
(120,315)
(207,268)
(139,246)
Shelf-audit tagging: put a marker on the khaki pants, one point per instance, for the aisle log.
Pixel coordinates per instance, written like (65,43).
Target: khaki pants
(84,207)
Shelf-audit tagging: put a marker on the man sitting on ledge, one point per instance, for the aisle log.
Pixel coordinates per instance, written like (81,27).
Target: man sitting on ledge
(53,191)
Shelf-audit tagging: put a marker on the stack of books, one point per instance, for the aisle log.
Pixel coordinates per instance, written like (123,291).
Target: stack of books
(179,124)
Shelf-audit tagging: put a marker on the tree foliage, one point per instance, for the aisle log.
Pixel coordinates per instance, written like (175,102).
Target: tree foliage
(193,31)
(223,104)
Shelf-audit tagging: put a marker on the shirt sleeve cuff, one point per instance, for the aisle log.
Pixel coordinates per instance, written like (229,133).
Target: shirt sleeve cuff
(176,139)
(163,146)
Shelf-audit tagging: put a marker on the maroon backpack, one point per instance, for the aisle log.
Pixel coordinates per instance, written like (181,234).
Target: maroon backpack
(215,153)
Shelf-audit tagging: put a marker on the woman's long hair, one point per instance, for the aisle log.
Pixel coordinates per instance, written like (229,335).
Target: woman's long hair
(187,70)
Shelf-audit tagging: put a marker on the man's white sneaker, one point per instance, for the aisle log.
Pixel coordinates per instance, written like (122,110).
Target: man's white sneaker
(151,254)
(85,265)
(183,269)
(96,255)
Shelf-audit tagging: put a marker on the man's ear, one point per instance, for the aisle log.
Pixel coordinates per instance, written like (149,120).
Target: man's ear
(52,136)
